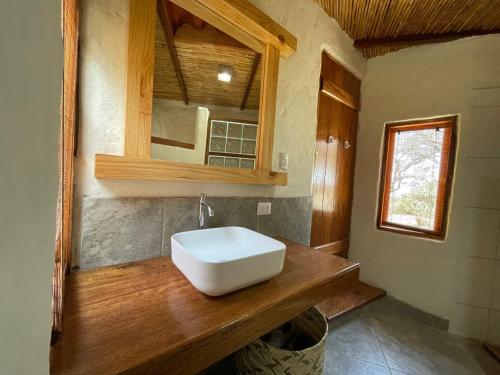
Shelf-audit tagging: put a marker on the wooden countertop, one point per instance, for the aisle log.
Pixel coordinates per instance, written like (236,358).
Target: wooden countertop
(146,318)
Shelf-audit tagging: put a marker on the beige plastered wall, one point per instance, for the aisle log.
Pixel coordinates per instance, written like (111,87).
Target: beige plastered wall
(459,278)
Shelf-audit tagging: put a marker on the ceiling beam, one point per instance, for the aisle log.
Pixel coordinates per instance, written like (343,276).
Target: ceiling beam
(255,66)
(169,37)
(208,35)
(404,40)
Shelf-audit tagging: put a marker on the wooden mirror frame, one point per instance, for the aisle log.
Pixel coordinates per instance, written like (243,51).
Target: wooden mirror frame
(242,21)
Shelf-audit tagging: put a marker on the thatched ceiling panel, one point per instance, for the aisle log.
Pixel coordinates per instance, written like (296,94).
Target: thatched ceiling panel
(374,19)
(201,53)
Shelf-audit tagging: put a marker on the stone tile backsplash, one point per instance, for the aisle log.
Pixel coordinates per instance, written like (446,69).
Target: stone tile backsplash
(290,218)
(119,230)
(179,215)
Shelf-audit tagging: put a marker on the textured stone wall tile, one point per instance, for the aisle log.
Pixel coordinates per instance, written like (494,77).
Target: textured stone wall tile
(240,212)
(179,215)
(123,230)
(290,218)
(120,230)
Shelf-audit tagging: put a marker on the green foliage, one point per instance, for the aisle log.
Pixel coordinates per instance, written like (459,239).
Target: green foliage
(420,202)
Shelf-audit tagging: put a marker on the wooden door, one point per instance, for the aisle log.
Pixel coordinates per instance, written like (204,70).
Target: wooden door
(335,154)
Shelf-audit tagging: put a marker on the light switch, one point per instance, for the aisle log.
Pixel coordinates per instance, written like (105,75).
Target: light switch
(283,161)
(263,208)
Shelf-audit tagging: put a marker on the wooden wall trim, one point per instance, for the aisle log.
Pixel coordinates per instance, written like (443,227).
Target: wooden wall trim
(198,8)
(71,22)
(267,114)
(64,215)
(140,72)
(257,23)
(171,142)
(246,16)
(340,76)
(125,168)
(336,92)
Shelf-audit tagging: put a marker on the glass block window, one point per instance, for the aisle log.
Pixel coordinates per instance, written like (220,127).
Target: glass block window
(231,162)
(232,144)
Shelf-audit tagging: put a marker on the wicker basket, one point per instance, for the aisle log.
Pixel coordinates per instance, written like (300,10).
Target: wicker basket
(262,358)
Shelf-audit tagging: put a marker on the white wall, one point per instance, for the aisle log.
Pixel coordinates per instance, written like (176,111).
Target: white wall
(175,120)
(454,278)
(103,57)
(172,119)
(30,83)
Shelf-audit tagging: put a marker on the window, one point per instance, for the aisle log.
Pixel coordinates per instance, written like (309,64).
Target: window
(416,176)
(232,144)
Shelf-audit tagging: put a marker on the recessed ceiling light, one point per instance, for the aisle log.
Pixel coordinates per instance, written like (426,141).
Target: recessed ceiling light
(224,74)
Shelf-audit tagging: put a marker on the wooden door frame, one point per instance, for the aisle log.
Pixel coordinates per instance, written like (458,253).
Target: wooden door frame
(335,91)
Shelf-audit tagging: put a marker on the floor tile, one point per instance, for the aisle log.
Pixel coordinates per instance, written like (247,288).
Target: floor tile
(484,361)
(357,339)
(397,372)
(344,365)
(420,349)
(409,346)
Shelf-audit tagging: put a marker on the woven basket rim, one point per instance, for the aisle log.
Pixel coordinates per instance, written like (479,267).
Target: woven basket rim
(320,341)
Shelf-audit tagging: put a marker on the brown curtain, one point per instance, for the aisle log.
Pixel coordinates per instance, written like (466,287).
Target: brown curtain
(63,250)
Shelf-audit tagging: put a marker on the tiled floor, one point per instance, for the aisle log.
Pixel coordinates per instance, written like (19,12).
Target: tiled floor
(386,338)
(382,339)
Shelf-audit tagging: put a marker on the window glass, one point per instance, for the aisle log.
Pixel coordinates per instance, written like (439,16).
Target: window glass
(415,176)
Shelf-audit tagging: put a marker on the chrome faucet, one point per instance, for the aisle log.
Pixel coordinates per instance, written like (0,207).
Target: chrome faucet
(204,204)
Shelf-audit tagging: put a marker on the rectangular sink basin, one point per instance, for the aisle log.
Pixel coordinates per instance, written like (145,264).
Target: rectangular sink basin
(220,260)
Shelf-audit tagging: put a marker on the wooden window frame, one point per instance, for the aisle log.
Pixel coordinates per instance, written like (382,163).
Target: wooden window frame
(446,172)
(67,149)
(237,18)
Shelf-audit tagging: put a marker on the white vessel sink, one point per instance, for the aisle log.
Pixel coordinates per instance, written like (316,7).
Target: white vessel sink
(220,260)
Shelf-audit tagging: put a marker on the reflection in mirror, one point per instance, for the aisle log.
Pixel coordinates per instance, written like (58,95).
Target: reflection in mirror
(206,93)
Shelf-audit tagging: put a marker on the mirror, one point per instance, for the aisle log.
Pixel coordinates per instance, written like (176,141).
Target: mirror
(206,93)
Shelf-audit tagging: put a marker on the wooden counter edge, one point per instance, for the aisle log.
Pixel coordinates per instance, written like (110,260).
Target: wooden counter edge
(209,350)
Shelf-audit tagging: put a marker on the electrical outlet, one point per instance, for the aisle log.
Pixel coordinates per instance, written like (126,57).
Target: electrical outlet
(283,161)
(264,208)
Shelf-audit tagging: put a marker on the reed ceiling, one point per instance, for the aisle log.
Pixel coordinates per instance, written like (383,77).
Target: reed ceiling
(201,50)
(382,26)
